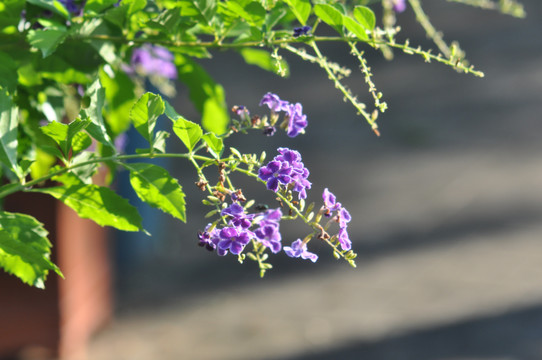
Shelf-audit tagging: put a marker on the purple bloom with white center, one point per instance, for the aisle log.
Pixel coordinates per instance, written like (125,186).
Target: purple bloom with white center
(297,121)
(302,31)
(206,238)
(330,202)
(399,5)
(275,173)
(344,239)
(299,249)
(154,60)
(238,216)
(274,102)
(233,239)
(270,237)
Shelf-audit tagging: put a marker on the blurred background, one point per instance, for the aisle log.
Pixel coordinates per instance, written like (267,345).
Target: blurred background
(446,207)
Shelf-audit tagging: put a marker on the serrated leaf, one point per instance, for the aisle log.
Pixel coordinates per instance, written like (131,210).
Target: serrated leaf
(189,132)
(8,132)
(301,9)
(263,59)
(155,186)
(145,113)
(46,40)
(365,16)
(355,28)
(330,16)
(24,248)
(97,203)
(215,144)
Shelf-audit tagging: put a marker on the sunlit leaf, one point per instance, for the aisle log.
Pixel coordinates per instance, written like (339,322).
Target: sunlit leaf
(155,186)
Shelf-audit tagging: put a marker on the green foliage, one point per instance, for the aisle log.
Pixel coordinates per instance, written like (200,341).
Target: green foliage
(24,248)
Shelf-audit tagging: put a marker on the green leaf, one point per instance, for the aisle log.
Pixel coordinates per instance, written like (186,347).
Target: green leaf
(155,186)
(263,59)
(301,9)
(215,144)
(189,132)
(59,133)
(253,12)
(8,72)
(208,97)
(120,98)
(145,113)
(355,28)
(96,128)
(99,204)
(80,142)
(330,16)
(24,248)
(52,5)
(366,17)
(99,5)
(47,40)
(8,132)
(63,134)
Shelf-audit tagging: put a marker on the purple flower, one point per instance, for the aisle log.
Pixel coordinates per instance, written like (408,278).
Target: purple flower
(330,202)
(299,249)
(301,31)
(154,60)
(274,102)
(299,173)
(240,110)
(233,239)
(206,238)
(344,217)
(270,237)
(275,173)
(296,120)
(287,169)
(344,239)
(238,216)
(399,5)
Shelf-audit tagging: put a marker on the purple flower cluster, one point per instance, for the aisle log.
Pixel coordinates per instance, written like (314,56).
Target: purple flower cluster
(331,205)
(153,60)
(296,120)
(286,169)
(237,233)
(399,5)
